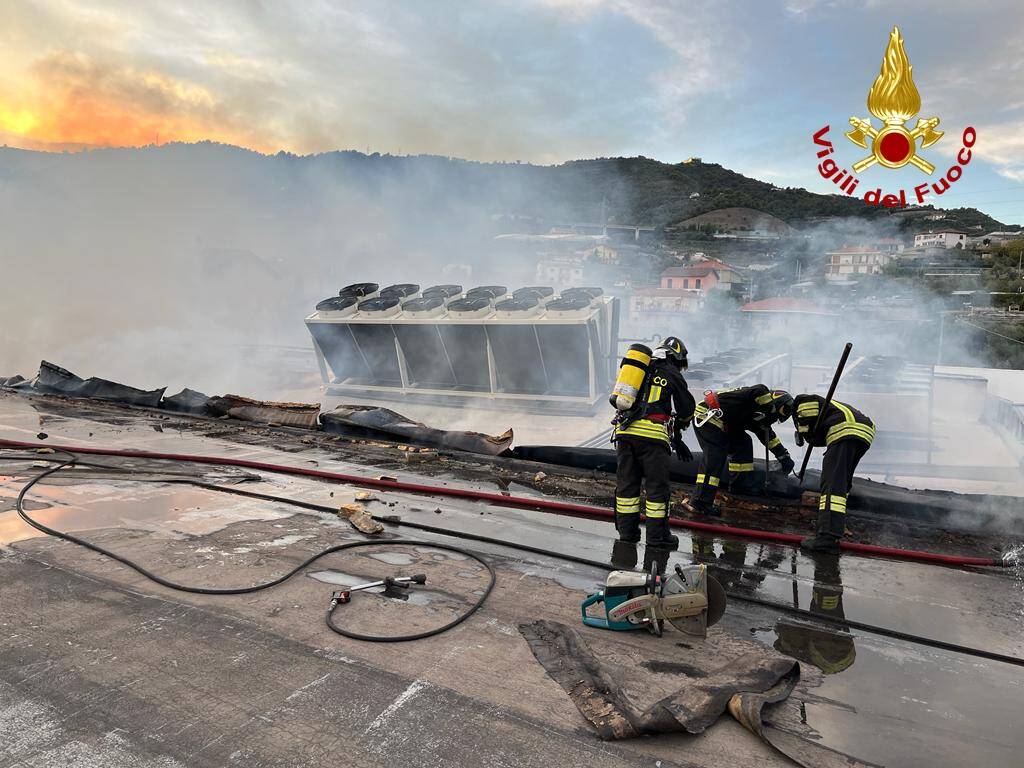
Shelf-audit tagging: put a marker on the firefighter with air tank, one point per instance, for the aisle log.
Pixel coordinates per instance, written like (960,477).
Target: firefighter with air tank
(655,406)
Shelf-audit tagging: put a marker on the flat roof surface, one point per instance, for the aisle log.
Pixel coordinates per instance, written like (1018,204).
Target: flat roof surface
(101,667)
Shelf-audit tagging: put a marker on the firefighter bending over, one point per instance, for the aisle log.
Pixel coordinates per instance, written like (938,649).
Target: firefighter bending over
(663,410)
(725,439)
(846,434)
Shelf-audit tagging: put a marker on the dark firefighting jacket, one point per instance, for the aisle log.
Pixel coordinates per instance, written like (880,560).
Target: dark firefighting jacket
(841,421)
(748,409)
(667,408)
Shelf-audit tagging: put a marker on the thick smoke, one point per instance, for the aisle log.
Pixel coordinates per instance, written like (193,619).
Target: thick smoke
(194,265)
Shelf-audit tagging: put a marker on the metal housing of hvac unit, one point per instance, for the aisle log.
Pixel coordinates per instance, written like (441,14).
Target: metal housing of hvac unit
(523,349)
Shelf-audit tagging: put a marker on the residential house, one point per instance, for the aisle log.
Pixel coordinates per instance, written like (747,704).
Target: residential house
(560,271)
(789,316)
(946,238)
(663,305)
(851,260)
(702,275)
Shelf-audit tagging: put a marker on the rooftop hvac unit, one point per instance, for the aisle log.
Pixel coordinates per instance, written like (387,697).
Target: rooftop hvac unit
(569,307)
(338,306)
(591,295)
(401,291)
(380,307)
(445,292)
(516,352)
(517,308)
(427,306)
(360,290)
(468,308)
(542,293)
(490,292)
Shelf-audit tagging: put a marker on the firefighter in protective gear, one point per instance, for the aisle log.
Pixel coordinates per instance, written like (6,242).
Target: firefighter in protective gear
(727,444)
(830,650)
(643,441)
(846,434)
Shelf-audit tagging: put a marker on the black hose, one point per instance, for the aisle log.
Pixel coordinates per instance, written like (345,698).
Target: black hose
(844,624)
(72,460)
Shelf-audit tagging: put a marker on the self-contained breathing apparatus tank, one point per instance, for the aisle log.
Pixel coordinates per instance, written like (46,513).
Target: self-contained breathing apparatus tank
(632,371)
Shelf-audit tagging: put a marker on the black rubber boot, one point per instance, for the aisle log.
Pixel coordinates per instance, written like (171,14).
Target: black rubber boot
(624,555)
(628,527)
(822,542)
(658,534)
(708,510)
(831,527)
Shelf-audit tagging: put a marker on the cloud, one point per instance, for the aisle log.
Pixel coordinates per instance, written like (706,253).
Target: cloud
(544,81)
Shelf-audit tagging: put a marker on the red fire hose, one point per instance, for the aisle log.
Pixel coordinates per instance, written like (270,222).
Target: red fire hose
(524,502)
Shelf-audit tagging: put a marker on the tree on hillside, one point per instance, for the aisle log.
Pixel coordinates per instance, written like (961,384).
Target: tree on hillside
(1007,273)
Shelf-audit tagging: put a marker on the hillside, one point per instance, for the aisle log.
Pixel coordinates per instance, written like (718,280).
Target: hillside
(633,190)
(738,219)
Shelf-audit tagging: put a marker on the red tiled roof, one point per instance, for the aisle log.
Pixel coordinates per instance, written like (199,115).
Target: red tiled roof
(854,249)
(717,264)
(784,304)
(699,270)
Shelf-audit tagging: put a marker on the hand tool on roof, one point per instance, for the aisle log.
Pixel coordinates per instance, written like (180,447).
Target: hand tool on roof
(394,586)
(690,599)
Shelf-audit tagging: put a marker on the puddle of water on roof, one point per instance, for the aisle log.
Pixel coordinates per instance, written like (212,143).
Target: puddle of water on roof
(154,506)
(392,558)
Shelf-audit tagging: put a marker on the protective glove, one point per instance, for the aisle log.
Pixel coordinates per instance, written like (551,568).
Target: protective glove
(681,450)
(786,464)
(799,438)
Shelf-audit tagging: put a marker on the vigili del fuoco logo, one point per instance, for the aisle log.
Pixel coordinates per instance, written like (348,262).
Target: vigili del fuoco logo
(893,99)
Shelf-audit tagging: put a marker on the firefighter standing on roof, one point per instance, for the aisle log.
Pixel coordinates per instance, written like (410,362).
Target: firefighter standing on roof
(846,434)
(725,440)
(643,437)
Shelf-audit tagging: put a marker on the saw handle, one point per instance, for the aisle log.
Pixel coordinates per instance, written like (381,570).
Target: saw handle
(593,621)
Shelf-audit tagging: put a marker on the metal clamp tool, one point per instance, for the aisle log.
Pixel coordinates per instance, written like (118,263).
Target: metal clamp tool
(394,586)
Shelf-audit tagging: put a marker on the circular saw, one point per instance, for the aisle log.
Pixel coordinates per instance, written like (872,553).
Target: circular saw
(690,599)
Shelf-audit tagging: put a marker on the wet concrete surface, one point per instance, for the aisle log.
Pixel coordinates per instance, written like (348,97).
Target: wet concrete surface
(886,701)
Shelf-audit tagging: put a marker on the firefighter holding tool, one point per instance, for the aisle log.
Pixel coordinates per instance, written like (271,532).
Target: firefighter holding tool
(655,406)
(846,434)
(723,423)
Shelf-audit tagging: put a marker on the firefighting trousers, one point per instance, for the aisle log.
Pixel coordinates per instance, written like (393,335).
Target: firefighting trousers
(837,469)
(642,464)
(723,451)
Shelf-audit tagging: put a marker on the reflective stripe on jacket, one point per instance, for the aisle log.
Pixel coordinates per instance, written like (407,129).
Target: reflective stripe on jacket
(840,422)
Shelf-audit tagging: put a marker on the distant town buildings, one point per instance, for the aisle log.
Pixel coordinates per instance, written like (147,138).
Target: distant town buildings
(945,238)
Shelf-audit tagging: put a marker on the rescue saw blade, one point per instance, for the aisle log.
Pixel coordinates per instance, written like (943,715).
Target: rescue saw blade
(716,601)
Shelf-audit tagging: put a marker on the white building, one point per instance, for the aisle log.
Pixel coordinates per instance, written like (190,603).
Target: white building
(944,238)
(560,272)
(859,260)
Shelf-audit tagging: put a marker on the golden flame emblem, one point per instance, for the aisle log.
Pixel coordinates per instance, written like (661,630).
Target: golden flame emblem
(894,99)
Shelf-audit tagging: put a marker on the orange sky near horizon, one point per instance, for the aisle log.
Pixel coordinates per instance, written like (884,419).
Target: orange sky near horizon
(67,100)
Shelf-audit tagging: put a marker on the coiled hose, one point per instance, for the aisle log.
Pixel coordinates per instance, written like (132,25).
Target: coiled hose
(329,618)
